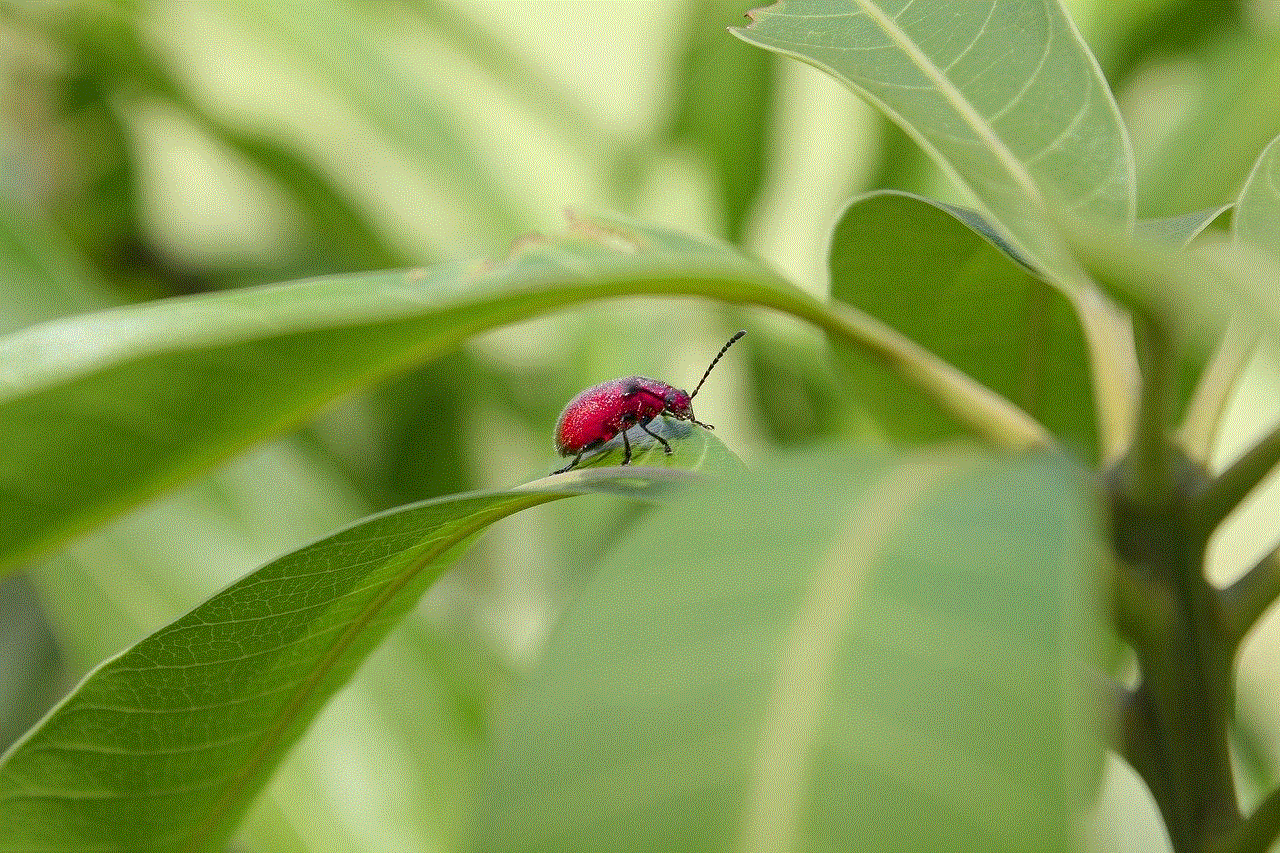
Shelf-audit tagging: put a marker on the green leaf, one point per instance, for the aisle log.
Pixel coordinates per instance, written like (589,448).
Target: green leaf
(146,396)
(1193,292)
(141,398)
(129,579)
(722,87)
(1257,223)
(1181,229)
(162,747)
(842,653)
(40,276)
(1257,218)
(941,276)
(336,42)
(1004,94)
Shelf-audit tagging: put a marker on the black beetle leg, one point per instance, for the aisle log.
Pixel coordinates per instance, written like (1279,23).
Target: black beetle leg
(570,466)
(626,445)
(666,448)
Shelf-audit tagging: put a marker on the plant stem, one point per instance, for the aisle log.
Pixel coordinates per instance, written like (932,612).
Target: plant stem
(1150,455)
(1260,830)
(1244,602)
(1175,730)
(1221,496)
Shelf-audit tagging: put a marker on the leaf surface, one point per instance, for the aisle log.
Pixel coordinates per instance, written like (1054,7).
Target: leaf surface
(840,653)
(101,411)
(162,747)
(1004,93)
(941,276)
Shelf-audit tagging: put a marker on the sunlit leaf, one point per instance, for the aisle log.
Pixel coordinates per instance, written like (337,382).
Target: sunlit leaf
(1005,94)
(163,747)
(145,396)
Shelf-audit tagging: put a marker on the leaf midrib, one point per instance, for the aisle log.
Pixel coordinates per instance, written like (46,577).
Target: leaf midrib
(207,829)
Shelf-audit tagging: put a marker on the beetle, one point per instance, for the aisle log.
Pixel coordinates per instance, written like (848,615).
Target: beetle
(602,411)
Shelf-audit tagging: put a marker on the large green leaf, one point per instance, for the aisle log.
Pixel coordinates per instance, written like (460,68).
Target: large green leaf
(939,275)
(843,653)
(1004,94)
(162,747)
(104,410)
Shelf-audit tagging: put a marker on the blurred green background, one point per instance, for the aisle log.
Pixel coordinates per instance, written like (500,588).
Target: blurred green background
(151,149)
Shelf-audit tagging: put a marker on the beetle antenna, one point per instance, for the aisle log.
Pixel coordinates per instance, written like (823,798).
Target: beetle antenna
(719,355)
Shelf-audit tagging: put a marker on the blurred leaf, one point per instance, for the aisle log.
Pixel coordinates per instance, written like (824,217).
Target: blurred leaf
(40,276)
(724,87)
(333,39)
(146,396)
(1230,111)
(108,42)
(168,742)
(31,670)
(1257,223)
(1005,95)
(1181,229)
(524,78)
(1257,217)
(846,653)
(1124,35)
(941,276)
(1194,292)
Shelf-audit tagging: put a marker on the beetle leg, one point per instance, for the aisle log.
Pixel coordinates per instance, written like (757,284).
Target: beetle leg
(666,448)
(626,445)
(568,467)
(700,423)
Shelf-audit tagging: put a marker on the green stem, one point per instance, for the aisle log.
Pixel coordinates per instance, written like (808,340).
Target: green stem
(1225,492)
(1150,457)
(1244,601)
(1260,830)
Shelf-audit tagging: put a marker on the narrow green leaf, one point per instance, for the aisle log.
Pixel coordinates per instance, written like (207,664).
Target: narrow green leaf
(845,653)
(941,276)
(722,87)
(1004,94)
(141,398)
(334,40)
(163,747)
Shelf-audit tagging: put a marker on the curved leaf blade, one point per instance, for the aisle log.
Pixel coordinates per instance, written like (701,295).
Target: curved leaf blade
(104,410)
(141,398)
(164,746)
(1004,94)
(1257,217)
(830,688)
(941,276)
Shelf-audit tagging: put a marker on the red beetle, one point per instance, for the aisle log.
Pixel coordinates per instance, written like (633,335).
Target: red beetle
(602,411)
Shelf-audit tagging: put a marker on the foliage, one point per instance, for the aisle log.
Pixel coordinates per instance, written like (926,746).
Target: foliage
(992,560)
